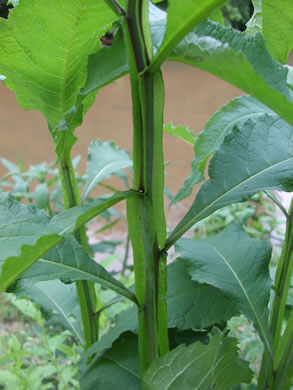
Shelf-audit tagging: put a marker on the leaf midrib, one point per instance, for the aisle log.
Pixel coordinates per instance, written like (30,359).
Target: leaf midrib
(88,274)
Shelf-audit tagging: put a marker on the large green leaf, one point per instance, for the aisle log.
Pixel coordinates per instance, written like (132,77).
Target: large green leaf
(254,157)
(44,49)
(117,367)
(239,266)
(59,303)
(181,19)
(242,60)
(275,21)
(69,262)
(26,233)
(104,159)
(43,54)
(192,305)
(213,366)
(236,112)
(124,321)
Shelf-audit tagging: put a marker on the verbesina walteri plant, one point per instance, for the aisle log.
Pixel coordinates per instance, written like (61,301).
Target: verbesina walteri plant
(50,56)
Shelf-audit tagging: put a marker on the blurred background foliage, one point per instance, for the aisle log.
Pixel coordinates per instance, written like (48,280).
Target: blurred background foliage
(237,13)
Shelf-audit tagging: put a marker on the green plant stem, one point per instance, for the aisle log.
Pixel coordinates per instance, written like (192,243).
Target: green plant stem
(282,281)
(271,195)
(284,356)
(147,106)
(85,290)
(269,369)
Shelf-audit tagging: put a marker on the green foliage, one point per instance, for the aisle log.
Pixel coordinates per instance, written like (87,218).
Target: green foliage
(239,269)
(47,76)
(34,356)
(105,372)
(192,305)
(40,184)
(213,366)
(50,56)
(38,234)
(258,166)
(236,112)
(258,217)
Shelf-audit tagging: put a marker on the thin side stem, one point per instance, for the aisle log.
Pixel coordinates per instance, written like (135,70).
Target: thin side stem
(85,290)
(269,372)
(283,278)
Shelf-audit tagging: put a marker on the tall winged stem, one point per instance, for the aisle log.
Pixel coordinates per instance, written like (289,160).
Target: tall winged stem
(145,215)
(85,289)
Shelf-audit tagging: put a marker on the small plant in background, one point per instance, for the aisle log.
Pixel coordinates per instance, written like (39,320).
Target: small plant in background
(175,329)
(34,356)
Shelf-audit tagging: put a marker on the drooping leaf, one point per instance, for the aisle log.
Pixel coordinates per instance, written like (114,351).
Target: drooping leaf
(275,21)
(124,321)
(69,262)
(104,159)
(192,305)
(239,266)
(250,160)
(58,302)
(48,74)
(240,59)
(181,132)
(213,366)
(236,112)
(181,19)
(26,233)
(118,366)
